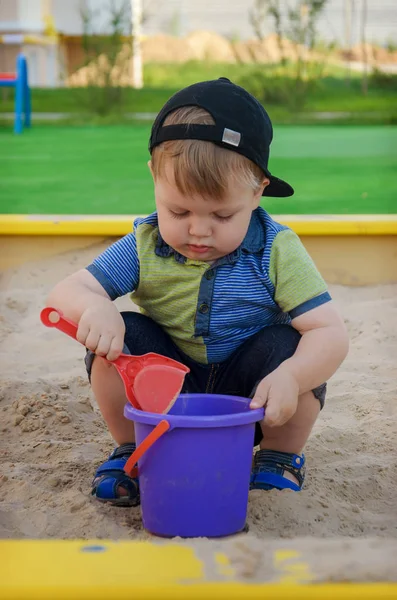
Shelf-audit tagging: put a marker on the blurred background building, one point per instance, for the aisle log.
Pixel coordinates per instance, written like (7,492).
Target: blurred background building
(49,31)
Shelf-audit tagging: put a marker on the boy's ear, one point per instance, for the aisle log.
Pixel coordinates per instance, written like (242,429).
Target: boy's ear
(265,183)
(149,164)
(258,194)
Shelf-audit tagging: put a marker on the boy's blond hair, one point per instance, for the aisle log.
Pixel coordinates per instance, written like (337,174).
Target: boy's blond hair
(202,167)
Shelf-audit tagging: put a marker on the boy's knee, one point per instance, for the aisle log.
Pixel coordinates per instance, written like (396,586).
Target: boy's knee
(274,344)
(284,338)
(142,334)
(95,364)
(100,364)
(135,319)
(138,325)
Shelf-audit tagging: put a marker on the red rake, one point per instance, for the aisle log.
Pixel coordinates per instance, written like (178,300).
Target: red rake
(152,382)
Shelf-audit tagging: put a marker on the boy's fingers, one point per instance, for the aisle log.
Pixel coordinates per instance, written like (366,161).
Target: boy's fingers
(272,414)
(103,345)
(286,414)
(92,340)
(276,414)
(258,402)
(261,396)
(82,333)
(116,348)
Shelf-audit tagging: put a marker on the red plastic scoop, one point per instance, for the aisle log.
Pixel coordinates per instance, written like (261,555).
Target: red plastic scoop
(152,382)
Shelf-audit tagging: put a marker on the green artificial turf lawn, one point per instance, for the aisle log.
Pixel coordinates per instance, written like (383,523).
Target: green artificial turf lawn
(330,92)
(102,170)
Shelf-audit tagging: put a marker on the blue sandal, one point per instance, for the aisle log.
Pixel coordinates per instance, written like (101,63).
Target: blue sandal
(110,477)
(269,467)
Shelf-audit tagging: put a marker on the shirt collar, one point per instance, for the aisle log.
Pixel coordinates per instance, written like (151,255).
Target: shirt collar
(254,241)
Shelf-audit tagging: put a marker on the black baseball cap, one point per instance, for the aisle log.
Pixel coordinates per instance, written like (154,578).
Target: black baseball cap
(241,125)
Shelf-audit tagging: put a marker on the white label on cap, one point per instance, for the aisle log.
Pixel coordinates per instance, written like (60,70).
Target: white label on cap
(231,137)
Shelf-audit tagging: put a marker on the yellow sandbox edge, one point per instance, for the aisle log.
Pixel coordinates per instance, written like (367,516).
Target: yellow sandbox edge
(118,225)
(100,570)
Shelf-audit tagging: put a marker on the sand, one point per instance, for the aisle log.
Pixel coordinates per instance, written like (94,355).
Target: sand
(52,438)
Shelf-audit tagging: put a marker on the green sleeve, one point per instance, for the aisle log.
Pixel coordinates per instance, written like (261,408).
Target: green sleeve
(293,273)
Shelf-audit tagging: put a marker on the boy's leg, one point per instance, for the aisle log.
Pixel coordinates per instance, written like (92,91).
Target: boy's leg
(108,389)
(293,435)
(255,359)
(142,335)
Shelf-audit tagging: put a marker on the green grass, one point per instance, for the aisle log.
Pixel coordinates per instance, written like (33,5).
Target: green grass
(75,100)
(102,170)
(331,94)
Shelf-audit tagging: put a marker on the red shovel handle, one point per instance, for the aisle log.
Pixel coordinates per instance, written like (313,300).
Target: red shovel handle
(51,317)
(147,443)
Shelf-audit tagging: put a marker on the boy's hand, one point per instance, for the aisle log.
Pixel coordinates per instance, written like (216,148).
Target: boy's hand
(101,329)
(278,392)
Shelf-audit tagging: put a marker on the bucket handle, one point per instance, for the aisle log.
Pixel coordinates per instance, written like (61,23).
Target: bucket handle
(130,469)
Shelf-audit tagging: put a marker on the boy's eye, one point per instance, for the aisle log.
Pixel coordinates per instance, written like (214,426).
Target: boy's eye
(181,215)
(175,215)
(222,218)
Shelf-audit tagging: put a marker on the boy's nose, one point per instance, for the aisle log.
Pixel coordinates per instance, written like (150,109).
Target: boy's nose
(199,228)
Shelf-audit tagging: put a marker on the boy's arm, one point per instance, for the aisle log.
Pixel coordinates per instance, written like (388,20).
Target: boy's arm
(301,291)
(323,347)
(74,294)
(86,297)
(83,299)
(112,274)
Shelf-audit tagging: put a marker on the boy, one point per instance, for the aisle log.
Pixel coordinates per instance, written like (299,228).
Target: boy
(222,288)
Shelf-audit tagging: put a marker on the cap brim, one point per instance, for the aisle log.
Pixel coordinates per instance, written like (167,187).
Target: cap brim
(278,188)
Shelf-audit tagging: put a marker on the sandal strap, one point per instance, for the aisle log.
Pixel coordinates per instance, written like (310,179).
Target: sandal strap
(123,450)
(116,460)
(110,476)
(111,466)
(272,461)
(106,488)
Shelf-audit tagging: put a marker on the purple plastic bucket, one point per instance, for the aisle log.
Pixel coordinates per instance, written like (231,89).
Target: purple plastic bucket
(194,480)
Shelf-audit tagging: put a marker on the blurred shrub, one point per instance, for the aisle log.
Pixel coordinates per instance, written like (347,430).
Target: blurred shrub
(273,90)
(391,45)
(280,90)
(384,81)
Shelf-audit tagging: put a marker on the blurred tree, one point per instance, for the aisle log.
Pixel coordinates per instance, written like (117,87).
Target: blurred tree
(364,13)
(348,15)
(296,22)
(136,27)
(175,23)
(258,15)
(107,56)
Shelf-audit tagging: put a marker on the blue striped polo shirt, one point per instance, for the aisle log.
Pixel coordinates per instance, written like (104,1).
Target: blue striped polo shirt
(209,310)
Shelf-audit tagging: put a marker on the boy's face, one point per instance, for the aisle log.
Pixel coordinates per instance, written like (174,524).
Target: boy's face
(203,229)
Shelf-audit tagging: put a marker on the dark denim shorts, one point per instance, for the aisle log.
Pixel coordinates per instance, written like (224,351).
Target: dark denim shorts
(239,375)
